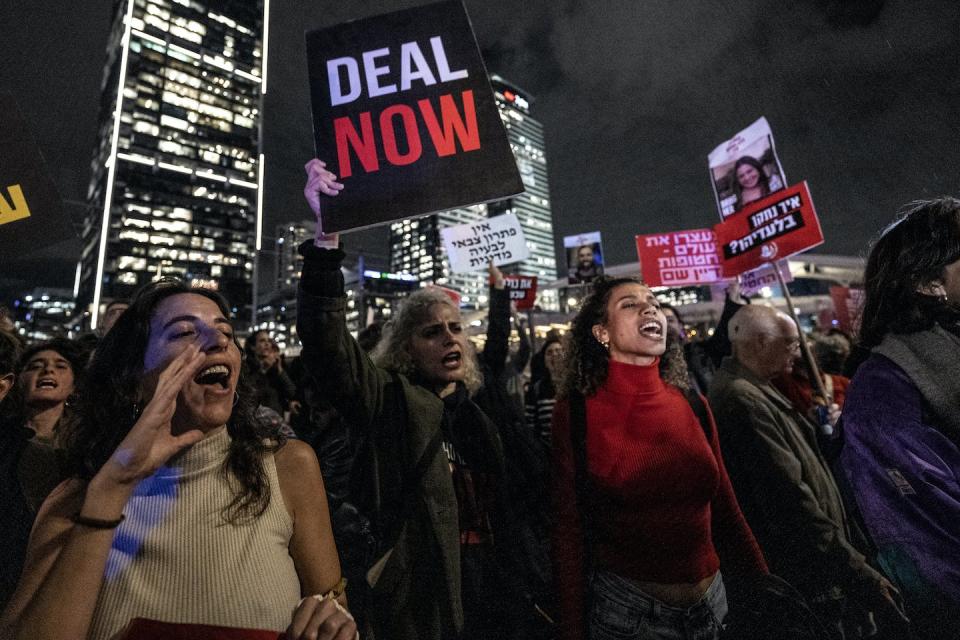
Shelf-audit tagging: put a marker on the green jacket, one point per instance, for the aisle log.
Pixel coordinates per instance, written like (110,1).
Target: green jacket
(417,596)
(784,486)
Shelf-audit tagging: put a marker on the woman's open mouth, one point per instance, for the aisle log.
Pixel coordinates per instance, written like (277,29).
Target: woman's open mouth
(216,375)
(652,330)
(453,360)
(46,383)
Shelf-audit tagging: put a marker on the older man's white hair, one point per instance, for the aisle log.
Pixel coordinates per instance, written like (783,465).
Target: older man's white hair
(753,320)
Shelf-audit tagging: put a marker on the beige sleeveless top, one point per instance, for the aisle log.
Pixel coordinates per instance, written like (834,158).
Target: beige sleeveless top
(175,559)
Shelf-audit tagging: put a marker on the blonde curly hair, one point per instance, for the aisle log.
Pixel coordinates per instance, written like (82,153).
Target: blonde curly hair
(393,351)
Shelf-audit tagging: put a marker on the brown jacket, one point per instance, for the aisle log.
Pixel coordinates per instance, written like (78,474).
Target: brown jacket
(785,487)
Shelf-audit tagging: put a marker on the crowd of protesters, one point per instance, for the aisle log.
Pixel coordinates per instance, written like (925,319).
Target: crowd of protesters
(626,481)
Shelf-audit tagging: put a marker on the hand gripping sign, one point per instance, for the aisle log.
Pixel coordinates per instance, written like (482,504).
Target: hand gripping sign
(776,227)
(404,114)
(472,246)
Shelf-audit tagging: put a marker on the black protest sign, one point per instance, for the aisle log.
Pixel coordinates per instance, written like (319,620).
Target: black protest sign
(31,214)
(404,115)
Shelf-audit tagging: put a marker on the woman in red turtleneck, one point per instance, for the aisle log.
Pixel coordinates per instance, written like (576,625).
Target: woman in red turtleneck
(655,504)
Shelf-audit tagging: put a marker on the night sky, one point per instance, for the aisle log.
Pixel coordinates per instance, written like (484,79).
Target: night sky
(863,98)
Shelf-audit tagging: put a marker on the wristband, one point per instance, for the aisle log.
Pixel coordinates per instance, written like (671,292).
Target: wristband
(96,523)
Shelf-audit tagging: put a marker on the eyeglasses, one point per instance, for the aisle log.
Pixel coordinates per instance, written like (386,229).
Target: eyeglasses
(793,344)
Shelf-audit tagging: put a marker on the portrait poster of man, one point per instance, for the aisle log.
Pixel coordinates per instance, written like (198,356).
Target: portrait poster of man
(745,168)
(584,257)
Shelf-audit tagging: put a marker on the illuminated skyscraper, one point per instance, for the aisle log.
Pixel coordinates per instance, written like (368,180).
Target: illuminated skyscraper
(415,245)
(177,173)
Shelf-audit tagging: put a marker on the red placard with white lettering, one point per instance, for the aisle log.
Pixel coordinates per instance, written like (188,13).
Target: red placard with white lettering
(523,290)
(846,304)
(679,258)
(778,226)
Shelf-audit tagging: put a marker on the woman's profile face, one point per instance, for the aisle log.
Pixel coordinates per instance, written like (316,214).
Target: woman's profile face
(206,401)
(635,327)
(47,379)
(748,176)
(438,346)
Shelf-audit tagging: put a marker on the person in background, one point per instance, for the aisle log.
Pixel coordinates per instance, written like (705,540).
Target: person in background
(114,310)
(798,388)
(832,350)
(784,482)
(182,511)
(275,390)
(586,268)
(901,420)
(646,516)
(541,395)
(751,182)
(15,515)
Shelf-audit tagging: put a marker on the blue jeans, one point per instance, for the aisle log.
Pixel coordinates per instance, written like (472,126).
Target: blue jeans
(619,610)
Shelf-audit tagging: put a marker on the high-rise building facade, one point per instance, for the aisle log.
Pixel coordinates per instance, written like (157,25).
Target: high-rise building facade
(415,245)
(177,172)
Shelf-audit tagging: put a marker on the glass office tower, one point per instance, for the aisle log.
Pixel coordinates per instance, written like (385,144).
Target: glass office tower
(415,245)
(177,173)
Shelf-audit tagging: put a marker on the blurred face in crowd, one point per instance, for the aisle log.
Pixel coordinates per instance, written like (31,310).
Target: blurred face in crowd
(635,327)
(674,327)
(438,347)
(263,345)
(748,176)
(585,257)
(113,312)
(553,358)
(47,379)
(179,321)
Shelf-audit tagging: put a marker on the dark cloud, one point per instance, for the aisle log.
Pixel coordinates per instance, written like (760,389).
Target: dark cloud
(862,96)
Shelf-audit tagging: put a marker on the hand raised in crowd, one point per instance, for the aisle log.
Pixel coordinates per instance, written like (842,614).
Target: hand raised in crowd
(321,619)
(496,276)
(888,608)
(150,442)
(319,180)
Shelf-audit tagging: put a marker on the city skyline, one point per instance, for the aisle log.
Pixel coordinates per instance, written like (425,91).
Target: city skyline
(174,185)
(861,97)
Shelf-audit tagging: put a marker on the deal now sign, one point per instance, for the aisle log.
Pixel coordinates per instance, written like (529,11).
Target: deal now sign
(776,227)
(404,115)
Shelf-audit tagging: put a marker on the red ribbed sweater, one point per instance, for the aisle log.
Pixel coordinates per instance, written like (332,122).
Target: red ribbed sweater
(662,502)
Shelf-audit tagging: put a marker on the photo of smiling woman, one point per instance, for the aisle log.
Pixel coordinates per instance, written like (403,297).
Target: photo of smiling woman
(646,515)
(181,511)
(751,183)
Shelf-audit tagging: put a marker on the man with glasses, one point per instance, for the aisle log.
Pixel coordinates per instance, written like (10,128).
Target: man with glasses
(783,482)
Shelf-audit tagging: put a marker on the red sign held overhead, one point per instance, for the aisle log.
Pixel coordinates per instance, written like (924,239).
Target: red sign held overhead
(523,290)
(776,227)
(679,258)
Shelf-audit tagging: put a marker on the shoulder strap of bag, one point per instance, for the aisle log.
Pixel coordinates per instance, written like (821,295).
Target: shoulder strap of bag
(581,478)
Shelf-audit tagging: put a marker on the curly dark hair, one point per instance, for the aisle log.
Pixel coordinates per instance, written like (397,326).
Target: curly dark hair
(910,253)
(587,360)
(109,404)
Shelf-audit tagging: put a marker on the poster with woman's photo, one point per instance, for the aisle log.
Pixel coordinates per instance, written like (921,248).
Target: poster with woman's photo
(745,168)
(584,257)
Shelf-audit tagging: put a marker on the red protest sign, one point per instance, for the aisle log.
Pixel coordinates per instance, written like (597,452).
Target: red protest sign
(776,227)
(679,258)
(846,304)
(523,290)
